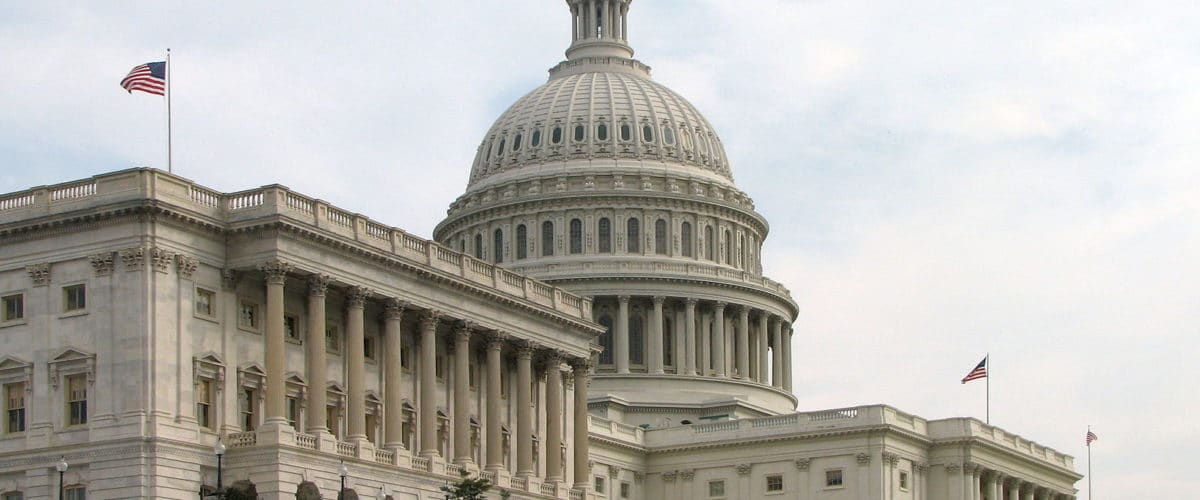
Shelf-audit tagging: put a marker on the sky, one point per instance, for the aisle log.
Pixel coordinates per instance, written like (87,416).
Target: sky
(943,179)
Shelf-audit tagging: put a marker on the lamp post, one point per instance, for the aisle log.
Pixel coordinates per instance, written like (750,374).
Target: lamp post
(343,472)
(219,451)
(384,493)
(61,467)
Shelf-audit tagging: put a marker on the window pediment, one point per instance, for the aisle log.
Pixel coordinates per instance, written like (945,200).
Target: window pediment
(71,361)
(14,369)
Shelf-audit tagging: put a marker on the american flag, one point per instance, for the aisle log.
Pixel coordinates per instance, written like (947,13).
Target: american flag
(1091,436)
(150,78)
(979,372)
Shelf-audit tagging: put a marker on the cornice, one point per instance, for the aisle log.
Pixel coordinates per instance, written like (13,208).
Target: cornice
(973,441)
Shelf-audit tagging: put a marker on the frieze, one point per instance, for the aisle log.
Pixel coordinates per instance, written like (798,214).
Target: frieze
(803,463)
(39,274)
(743,469)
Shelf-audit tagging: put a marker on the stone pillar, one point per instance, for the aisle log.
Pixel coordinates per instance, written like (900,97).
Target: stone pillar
(761,376)
(622,331)
(393,394)
(524,411)
(276,275)
(656,336)
(995,482)
(429,421)
(554,417)
(680,341)
(1014,489)
(787,358)
(495,437)
(462,393)
(580,367)
(605,22)
(574,23)
(356,420)
(743,343)
(314,354)
(719,341)
(689,320)
(776,352)
(706,341)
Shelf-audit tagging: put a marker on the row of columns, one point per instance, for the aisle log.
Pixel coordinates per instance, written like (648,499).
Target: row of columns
(276,273)
(610,16)
(772,334)
(980,483)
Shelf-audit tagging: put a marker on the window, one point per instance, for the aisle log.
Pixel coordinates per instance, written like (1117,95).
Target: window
(408,426)
(660,237)
(247,400)
(606,340)
(728,248)
(248,315)
(77,399)
(685,235)
(576,236)
(522,242)
(498,246)
(556,135)
(500,150)
(369,348)
(332,412)
(633,235)
(636,341)
(625,489)
(602,132)
(604,227)
(709,243)
(647,133)
(14,407)
(75,493)
(517,143)
(14,307)
(626,132)
(293,412)
(439,368)
(536,139)
(580,133)
(206,302)
(833,478)
(687,139)
(775,483)
(405,355)
(333,341)
(547,239)
(599,485)
(204,402)
(668,350)
(668,136)
(904,480)
(291,328)
(12,495)
(478,246)
(716,489)
(741,251)
(74,298)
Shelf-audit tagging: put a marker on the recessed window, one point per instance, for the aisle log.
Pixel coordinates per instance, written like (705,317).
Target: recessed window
(292,409)
(206,302)
(647,133)
(687,139)
(775,482)
(522,242)
(602,132)
(633,235)
(74,298)
(716,489)
(660,237)
(247,402)
(439,368)
(685,235)
(606,340)
(580,133)
(547,239)
(604,228)
(904,480)
(333,342)
(626,132)
(517,143)
(833,478)
(13,307)
(77,400)
(291,327)
(625,489)
(535,140)
(75,493)
(498,246)
(13,495)
(369,348)
(14,408)
(204,403)
(478,254)
(599,485)
(637,341)
(248,316)
(576,236)
(668,136)
(556,135)
(500,150)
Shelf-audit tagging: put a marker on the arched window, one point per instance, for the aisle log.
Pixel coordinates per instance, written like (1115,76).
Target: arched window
(660,237)
(633,233)
(647,133)
(517,143)
(604,227)
(668,136)
(606,340)
(498,246)
(522,242)
(556,135)
(536,139)
(626,132)
(580,133)
(741,251)
(478,246)
(576,236)
(500,150)
(602,132)
(685,234)
(462,245)
(709,244)
(637,340)
(728,247)
(547,239)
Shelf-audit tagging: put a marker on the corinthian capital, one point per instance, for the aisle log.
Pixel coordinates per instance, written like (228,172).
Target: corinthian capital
(393,308)
(275,270)
(356,296)
(317,285)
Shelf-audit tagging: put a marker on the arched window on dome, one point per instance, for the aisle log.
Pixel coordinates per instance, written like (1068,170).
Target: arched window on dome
(535,140)
(685,235)
(686,137)
(517,142)
(580,132)
(647,133)
(702,141)
(709,244)
(522,242)
(637,340)
(478,246)
(728,247)
(741,251)
(500,150)
(602,132)
(498,246)
(604,228)
(606,339)
(633,233)
(668,135)
(556,136)
(547,239)
(660,237)
(576,236)
(626,132)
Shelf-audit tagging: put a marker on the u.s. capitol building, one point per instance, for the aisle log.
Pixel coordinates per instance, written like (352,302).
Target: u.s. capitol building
(591,320)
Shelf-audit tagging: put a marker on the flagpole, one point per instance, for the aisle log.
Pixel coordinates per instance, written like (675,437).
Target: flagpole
(169,92)
(987,392)
(1089,446)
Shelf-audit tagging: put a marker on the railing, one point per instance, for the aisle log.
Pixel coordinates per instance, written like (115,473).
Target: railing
(204,197)
(73,191)
(241,439)
(339,217)
(576,494)
(520,483)
(385,456)
(295,202)
(490,475)
(17,201)
(376,230)
(454,469)
(774,421)
(245,200)
(548,489)
(346,449)
(728,425)
(306,441)
(421,463)
(824,416)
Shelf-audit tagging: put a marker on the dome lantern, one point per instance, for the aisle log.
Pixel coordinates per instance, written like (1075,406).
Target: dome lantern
(599,29)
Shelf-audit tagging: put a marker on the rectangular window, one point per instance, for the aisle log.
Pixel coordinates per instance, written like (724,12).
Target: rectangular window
(206,301)
(372,424)
(293,412)
(904,480)
(833,478)
(246,402)
(504,382)
(405,352)
(599,484)
(204,411)
(248,315)
(13,307)
(369,348)
(75,493)
(14,409)
(333,342)
(439,368)
(471,378)
(775,483)
(13,495)
(74,298)
(77,400)
(331,420)
(291,328)
(625,489)
(716,489)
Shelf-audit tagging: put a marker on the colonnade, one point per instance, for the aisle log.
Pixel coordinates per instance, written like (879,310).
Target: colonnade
(688,336)
(981,483)
(526,351)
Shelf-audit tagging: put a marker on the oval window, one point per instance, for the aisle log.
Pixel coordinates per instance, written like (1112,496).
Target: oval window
(517,143)
(626,132)
(536,139)
(500,150)
(647,133)
(579,133)
(556,135)
(602,132)
(668,136)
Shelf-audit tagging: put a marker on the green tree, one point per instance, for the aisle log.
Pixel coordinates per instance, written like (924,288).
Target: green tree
(467,489)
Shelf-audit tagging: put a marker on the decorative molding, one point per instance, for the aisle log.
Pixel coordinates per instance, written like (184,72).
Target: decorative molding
(161,259)
(133,258)
(356,297)
(687,474)
(230,279)
(743,469)
(39,273)
(669,476)
(186,265)
(863,458)
(318,284)
(429,318)
(276,271)
(638,476)
(71,361)
(614,471)
(102,263)
(890,458)
(953,468)
(393,308)
(803,463)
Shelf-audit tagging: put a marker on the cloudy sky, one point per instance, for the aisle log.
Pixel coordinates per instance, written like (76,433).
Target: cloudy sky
(944,179)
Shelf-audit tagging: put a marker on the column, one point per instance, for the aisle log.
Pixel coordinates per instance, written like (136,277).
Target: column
(276,275)
(591,20)
(625,22)
(554,417)
(995,486)
(706,343)
(656,336)
(976,478)
(1027,492)
(429,423)
(776,352)
(761,376)
(314,354)
(392,385)
(524,412)
(1014,489)
(680,341)
(574,23)
(622,331)
(580,367)
(356,420)
(718,341)
(462,393)
(495,437)
(605,22)
(689,322)
(743,343)
(787,358)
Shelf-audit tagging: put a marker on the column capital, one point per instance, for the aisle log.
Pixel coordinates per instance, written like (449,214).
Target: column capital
(393,308)
(463,328)
(356,296)
(970,467)
(890,458)
(1013,482)
(803,463)
(691,301)
(581,364)
(524,348)
(551,356)
(623,299)
(495,339)
(276,271)
(318,284)
(863,458)
(659,299)
(953,468)
(430,317)
(720,305)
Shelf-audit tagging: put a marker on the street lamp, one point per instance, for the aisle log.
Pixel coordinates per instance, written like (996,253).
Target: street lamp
(219,451)
(61,467)
(343,471)
(384,492)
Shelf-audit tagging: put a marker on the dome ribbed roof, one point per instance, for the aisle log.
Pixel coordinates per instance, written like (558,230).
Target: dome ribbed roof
(596,109)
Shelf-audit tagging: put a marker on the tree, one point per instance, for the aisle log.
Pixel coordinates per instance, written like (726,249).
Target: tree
(467,488)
